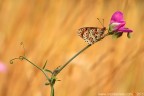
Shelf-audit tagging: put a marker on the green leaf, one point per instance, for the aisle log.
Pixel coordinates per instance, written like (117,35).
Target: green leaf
(48,71)
(47,83)
(58,80)
(128,35)
(45,65)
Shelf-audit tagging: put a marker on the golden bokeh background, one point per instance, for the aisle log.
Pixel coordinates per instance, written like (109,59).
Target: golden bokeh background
(48,29)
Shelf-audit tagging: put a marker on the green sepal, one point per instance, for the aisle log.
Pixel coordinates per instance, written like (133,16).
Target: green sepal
(110,32)
(117,35)
(128,35)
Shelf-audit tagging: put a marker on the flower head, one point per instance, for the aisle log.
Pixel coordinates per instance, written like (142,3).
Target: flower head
(117,24)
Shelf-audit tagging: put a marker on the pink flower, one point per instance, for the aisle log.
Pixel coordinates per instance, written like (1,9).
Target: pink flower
(3,67)
(117,23)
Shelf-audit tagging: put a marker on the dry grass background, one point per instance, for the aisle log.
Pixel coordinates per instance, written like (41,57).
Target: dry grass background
(48,29)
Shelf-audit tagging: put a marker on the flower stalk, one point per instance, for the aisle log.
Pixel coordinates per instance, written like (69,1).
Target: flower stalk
(52,91)
(57,71)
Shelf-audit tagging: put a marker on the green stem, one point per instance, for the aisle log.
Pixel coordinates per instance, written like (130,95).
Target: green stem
(61,68)
(52,91)
(37,67)
(41,69)
(86,47)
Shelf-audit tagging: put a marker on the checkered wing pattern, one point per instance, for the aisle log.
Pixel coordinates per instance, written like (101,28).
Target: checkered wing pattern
(90,34)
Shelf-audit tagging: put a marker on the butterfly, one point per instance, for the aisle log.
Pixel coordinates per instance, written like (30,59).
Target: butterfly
(91,34)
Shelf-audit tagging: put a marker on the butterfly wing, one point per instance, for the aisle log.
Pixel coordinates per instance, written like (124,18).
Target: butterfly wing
(91,34)
(88,34)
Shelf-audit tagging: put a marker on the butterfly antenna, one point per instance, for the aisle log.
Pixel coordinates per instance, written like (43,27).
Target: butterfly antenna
(101,22)
(23,47)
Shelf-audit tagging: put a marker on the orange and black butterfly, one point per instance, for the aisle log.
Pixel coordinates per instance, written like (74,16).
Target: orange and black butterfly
(91,34)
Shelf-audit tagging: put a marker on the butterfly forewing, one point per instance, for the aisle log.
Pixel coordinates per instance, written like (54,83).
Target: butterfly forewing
(91,34)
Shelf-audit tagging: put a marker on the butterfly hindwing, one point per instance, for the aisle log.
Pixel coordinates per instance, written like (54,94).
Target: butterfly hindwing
(90,34)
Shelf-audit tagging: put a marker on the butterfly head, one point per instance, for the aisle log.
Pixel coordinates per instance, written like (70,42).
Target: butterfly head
(103,29)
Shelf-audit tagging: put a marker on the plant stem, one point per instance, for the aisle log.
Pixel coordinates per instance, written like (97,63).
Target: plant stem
(86,47)
(57,70)
(73,58)
(41,69)
(52,91)
(38,68)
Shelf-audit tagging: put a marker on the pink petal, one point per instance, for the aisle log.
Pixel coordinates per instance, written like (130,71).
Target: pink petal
(124,30)
(117,23)
(3,67)
(121,25)
(117,17)
(116,26)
